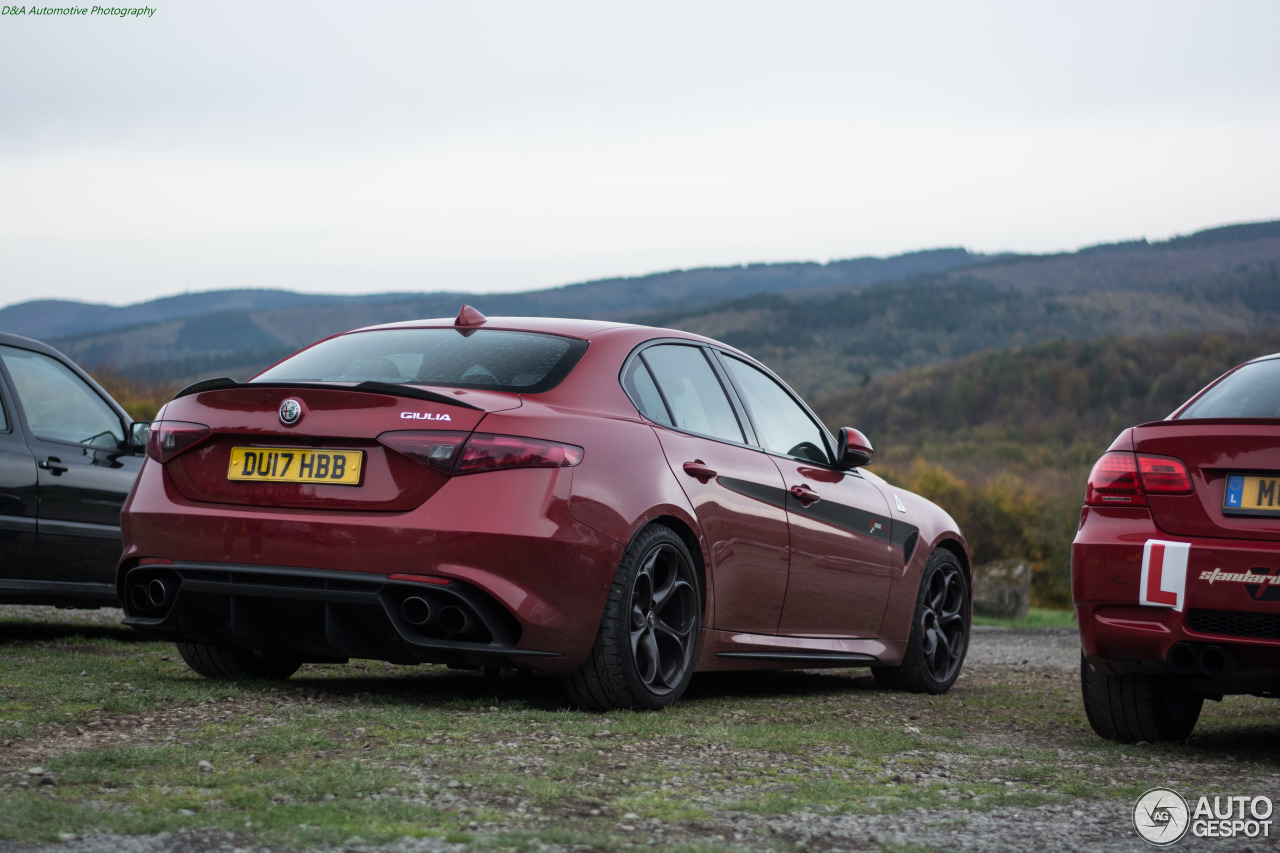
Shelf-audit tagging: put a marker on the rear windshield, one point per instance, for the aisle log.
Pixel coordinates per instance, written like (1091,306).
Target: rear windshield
(490,359)
(1253,391)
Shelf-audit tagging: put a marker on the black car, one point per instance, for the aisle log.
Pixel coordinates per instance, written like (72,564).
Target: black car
(68,457)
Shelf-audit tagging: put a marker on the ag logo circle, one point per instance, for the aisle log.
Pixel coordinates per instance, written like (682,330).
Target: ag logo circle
(290,412)
(1161,816)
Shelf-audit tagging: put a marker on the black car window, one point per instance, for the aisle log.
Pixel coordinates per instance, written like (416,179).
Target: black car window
(694,395)
(782,425)
(492,359)
(1253,391)
(640,387)
(59,405)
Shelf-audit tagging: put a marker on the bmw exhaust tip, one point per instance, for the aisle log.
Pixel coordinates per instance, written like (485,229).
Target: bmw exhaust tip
(1215,661)
(1182,658)
(416,610)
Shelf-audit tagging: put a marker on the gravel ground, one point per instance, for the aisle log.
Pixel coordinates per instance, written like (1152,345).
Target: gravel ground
(997,656)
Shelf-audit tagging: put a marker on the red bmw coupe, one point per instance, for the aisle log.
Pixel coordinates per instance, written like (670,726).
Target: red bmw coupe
(1175,569)
(618,504)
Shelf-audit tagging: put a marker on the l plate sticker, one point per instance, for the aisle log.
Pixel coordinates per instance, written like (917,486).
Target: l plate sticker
(1164,574)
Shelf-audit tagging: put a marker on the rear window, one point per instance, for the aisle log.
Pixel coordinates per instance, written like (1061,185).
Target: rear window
(489,359)
(1253,391)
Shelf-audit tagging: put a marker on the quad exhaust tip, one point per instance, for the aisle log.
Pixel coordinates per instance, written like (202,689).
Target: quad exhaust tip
(416,610)
(455,620)
(1213,660)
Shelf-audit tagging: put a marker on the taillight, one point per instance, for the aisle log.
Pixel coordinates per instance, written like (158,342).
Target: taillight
(437,450)
(1120,478)
(463,453)
(496,452)
(166,439)
(1164,475)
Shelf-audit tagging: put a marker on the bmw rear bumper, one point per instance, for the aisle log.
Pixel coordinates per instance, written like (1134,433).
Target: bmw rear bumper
(1224,639)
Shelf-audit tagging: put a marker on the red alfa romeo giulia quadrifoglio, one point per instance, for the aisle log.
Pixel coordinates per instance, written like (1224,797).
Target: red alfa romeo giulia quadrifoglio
(618,504)
(1175,569)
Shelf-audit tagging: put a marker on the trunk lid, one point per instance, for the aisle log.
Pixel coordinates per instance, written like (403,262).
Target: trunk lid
(1213,450)
(336,427)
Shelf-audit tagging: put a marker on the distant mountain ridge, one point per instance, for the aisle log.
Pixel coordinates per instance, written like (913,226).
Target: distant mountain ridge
(824,327)
(53,319)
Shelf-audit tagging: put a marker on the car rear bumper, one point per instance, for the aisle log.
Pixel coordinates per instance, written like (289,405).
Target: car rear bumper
(506,536)
(319,615)
(1225,639)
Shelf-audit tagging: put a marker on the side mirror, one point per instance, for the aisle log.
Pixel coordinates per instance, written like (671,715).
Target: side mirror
(138,436)
(854,449)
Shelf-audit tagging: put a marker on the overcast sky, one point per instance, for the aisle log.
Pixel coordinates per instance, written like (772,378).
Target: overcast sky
(481,146)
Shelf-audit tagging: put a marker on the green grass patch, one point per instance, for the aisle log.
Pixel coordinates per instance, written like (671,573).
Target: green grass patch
(1037,617)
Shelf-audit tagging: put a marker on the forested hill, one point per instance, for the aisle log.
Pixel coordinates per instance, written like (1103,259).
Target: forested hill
(840,339)
(611,297)
(1053,405)
(824,327)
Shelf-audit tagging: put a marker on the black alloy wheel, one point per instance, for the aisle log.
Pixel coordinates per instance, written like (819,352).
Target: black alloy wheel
(644,654)
(939,632)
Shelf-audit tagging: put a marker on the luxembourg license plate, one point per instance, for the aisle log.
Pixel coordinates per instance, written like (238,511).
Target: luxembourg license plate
(294,465)
(1249,494)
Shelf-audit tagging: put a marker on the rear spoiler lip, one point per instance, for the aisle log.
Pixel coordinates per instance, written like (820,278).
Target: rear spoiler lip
(370,387)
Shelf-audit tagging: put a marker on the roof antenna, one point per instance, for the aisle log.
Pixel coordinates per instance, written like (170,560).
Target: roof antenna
(469,316)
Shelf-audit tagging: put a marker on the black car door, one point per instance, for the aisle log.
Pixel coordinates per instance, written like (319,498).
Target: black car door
(84,467)
(17,494)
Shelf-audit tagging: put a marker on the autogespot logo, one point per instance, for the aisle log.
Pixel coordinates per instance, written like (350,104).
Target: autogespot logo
(1161,816)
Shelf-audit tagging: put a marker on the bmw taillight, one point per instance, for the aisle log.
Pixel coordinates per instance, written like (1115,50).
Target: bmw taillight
(1164,475)
(166,439)
(464,453)
(1121,478)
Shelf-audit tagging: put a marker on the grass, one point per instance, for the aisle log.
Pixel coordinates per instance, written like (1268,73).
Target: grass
(1037,617)
(137,744)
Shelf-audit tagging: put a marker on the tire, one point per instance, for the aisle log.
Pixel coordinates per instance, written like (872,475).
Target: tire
(644,653)
(939,631)
(226,663)
(1132,708)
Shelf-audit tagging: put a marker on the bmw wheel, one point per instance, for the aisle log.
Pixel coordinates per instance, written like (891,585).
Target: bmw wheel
(1131,708)
(644,653)
(939,632)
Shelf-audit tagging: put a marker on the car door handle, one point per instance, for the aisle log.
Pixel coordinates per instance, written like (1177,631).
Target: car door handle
(698,469)
(805,495)
(53,465)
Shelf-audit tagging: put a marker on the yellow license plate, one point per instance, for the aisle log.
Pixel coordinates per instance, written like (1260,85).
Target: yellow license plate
(1250,494)
(294,465)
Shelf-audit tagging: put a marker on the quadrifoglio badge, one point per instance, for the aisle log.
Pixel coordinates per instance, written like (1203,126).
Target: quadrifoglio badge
(1162,817)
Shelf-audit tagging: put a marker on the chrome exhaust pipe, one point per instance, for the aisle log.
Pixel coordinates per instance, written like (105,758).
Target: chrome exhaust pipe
(156,593)
(1182,658)
(416,610)
(1216,661)
(455,620)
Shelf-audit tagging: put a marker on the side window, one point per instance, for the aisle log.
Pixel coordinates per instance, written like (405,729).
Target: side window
(58,404)
(697,401)
(782,426)
(640,387)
